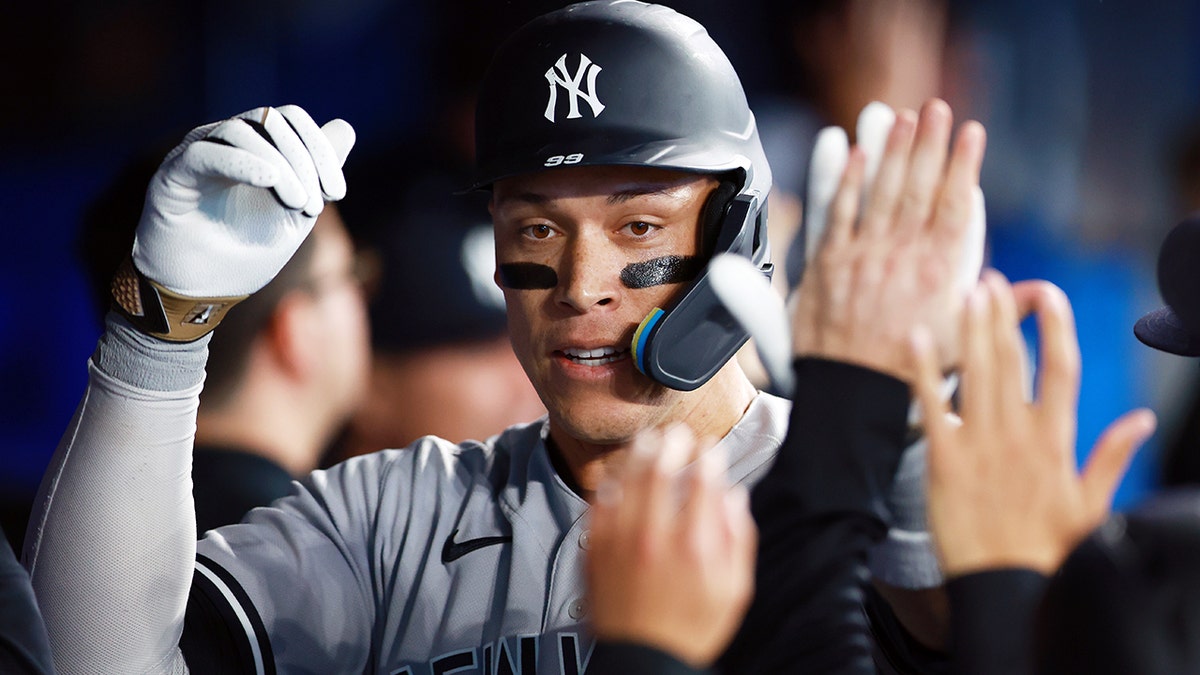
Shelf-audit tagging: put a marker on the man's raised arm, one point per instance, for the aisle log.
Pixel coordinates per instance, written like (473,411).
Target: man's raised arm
(111,544)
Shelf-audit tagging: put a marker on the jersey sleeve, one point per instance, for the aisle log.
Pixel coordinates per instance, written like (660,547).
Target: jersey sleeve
(111,542)
(296,584)
(294,577)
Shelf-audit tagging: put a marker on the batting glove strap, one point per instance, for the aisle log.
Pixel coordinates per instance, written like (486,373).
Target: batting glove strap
(164,314)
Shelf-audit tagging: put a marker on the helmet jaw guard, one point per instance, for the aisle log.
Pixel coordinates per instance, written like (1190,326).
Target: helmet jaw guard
(683,347)
(630,84)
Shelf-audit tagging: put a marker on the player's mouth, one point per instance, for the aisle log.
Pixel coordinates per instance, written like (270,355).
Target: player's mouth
(599,356)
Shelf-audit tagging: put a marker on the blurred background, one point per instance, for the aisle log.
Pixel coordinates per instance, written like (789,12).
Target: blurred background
(1092,109)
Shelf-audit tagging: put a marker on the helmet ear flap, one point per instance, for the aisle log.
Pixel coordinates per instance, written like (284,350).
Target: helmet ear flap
(712,216)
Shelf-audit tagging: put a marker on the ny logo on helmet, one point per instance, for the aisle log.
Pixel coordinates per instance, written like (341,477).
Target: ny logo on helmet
(559,77)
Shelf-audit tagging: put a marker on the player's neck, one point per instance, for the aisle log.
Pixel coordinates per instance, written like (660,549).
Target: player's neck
(274,430)
(711,413)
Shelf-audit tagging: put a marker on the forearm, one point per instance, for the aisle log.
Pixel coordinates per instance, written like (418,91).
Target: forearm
(819,510)
(111,545)
(994,610)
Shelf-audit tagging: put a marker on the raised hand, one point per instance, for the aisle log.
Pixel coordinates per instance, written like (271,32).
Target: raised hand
(225,211)
(892,257)
(1003,490)
(671,559)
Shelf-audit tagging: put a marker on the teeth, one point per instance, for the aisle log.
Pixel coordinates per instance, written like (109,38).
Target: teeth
(595,357)
(590,353)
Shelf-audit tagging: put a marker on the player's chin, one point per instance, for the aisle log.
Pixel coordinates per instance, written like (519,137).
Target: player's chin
(608,422)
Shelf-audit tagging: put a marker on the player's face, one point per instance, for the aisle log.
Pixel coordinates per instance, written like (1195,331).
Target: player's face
(572,247)
(338,296)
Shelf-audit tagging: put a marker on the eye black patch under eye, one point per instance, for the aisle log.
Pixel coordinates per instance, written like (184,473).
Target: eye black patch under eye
(527,276)
(669,269)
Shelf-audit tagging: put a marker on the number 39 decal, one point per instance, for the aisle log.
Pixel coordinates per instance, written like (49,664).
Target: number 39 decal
(564,159)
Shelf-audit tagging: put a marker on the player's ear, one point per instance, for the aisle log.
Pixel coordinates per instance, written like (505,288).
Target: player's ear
(291,334)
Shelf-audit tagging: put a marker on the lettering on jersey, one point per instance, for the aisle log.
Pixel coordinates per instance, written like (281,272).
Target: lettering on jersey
(568,655)
(453,662)
(558,76)
(512,655)
(518,660)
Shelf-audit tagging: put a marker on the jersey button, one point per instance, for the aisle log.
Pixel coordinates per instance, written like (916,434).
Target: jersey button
(577,609)
(585,538)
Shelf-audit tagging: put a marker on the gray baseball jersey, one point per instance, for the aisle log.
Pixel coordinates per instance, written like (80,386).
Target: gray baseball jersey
(435,559)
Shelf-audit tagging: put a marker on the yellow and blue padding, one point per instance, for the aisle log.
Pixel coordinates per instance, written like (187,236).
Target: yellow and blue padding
(642,336)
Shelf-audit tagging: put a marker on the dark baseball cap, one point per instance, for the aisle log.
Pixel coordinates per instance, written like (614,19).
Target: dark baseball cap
(434,249)
(1175,328)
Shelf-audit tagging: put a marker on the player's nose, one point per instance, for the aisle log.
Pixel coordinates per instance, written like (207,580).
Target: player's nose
(590,277)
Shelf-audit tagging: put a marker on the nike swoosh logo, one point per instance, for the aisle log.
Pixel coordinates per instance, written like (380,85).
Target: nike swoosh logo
(452,550)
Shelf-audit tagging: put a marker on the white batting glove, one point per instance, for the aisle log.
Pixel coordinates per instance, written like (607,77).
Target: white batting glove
(224,213)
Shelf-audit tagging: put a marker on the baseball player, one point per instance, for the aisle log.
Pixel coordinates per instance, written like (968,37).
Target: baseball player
(621,156)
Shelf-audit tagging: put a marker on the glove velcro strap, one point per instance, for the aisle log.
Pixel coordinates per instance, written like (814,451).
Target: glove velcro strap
(166,315)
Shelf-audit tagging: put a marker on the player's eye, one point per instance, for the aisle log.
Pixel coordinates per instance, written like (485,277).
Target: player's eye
(539,231)
(640,229)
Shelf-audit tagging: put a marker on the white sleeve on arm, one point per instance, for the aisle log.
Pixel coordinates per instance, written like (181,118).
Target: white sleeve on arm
(112,540)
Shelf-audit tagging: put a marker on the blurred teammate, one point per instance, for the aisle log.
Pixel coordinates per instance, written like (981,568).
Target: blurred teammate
(441,362)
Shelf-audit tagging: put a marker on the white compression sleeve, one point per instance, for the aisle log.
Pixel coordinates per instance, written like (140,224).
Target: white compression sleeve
(112,542)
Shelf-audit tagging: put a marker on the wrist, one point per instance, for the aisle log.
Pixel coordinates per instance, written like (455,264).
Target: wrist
(157,311)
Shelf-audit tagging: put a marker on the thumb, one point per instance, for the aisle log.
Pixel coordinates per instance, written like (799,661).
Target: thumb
(1110,459)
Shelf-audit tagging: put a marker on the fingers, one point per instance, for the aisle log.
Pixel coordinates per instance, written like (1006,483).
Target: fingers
(978,377)
(831,152)
(341,136)
(648,500)
(925,166)
(844,210)
(281,149)
(1059,360)
(971,260)
(744,533)
(927,387)
(1110,457)
(1009,348)
(958,200)
(704,527)
(259,147)
(230,162)
(287,140)
(884,192)
(871,134)
(759,309)
(326,157)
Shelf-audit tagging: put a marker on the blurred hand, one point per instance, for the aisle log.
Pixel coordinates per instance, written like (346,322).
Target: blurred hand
(671,560)
(1003,488)
(891,255)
